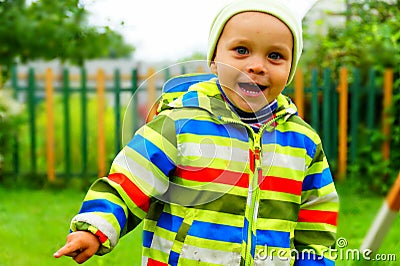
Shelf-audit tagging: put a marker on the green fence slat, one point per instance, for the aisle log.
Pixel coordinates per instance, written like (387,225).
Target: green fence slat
(314,100)
(134,85)
(371,94)
(67,132)
(84,122)
(354,114)
(32,117)
(327,110)
(167,74)
(14,85)
(117,102)
(335,122)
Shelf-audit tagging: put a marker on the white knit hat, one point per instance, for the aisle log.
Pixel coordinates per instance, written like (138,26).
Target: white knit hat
(287,12)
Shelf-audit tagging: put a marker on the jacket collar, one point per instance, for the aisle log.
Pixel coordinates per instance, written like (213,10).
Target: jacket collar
(206,95)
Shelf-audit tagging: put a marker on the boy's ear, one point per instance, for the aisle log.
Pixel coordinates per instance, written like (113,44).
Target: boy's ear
(213,67)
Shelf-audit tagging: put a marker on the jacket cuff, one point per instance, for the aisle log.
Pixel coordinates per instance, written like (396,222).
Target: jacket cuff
(98,226)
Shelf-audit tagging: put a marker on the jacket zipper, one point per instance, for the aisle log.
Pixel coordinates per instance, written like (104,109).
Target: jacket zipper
(253,183)
(255,191)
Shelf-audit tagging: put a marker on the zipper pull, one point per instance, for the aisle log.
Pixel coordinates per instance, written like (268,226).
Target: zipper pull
(257,151)
(257,146)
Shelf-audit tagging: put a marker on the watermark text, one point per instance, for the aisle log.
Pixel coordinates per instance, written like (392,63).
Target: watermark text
(340,252)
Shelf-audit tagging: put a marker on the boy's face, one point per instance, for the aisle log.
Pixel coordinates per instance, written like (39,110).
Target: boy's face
(253,59)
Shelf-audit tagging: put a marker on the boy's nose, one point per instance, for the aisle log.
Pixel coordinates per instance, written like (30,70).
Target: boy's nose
(257,66)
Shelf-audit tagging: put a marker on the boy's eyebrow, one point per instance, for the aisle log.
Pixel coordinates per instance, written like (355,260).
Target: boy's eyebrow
(239,39)
(282,47)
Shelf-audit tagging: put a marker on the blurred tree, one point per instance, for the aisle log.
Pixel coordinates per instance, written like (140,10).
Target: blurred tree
(48,29)
(369,38)
(194,56)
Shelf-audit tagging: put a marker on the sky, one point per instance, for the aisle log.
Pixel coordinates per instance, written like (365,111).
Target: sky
(160,30)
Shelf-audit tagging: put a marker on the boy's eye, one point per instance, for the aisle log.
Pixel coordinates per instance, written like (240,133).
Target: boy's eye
(275,56)
(241,50)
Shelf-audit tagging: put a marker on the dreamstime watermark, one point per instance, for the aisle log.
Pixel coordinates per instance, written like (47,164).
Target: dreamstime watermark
(338,253)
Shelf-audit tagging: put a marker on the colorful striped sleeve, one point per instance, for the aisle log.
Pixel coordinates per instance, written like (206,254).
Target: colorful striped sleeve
(315,231)
(102,213)
(116,204)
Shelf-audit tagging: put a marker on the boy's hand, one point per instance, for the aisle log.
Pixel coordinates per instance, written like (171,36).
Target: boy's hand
(80,245)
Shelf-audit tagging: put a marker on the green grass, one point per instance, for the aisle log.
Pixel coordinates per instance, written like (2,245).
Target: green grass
(34,224)
(357,213)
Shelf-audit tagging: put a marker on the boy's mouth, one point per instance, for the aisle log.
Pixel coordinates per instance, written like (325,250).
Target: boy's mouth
(252,88)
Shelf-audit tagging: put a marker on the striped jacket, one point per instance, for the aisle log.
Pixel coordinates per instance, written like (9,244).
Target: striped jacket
(211,191)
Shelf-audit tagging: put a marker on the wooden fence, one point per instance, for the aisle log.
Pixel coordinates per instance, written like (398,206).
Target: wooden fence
(331,106)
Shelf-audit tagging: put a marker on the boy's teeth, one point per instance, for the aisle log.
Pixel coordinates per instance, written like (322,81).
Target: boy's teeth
(252,92)
(251,88)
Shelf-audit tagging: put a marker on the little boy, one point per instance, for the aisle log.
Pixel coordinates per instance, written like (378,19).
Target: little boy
(227,173)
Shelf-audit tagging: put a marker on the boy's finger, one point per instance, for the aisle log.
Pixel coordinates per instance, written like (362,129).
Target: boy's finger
(67,250)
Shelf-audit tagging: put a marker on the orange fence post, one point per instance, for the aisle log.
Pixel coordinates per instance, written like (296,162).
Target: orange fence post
(50,156)
(299,92)
(101,140)
(387,102)
(393,197)
(343,118)
(200,69)
(151,94)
